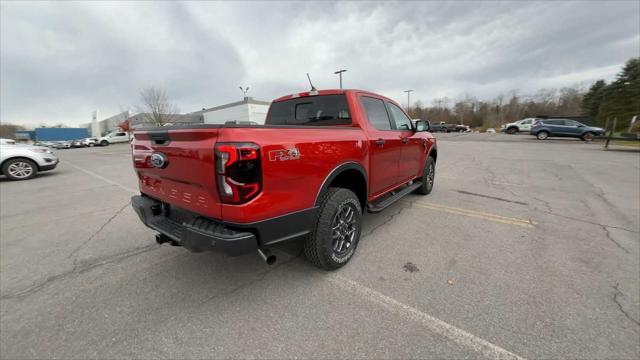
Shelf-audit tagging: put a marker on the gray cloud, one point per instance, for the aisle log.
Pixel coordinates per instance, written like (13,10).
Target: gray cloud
(60,61)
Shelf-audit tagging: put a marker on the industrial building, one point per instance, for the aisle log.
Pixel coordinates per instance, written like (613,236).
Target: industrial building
(247,110)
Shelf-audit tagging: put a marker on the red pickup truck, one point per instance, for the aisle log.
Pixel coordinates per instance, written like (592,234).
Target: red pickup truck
(320,160)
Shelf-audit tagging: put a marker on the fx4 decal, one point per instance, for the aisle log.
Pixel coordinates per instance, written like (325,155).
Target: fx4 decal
(284,154)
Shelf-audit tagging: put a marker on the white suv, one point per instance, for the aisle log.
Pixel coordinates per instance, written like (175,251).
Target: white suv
(22,162)
(523,125)
(114,137)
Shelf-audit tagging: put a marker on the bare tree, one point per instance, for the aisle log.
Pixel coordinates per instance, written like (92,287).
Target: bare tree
(8,131)
(156,108)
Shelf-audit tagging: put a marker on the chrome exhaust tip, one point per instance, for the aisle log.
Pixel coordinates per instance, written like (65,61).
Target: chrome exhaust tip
(267,256)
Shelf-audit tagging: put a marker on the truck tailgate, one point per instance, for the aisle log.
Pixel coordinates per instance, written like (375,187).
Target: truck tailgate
(187,178)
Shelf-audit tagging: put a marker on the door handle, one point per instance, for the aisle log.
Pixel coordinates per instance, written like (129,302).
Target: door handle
(405,140)
(380,142)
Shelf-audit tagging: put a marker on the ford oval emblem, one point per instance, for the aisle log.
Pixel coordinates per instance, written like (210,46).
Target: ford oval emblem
(159,160)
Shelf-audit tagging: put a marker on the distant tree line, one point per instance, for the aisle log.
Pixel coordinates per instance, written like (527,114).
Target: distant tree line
(620,98)
(8,131)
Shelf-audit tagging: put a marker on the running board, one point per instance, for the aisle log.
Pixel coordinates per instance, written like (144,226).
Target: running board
(393,198)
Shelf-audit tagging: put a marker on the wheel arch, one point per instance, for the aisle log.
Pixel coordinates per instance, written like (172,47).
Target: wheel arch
(433,152)
(19,157)
(349,175)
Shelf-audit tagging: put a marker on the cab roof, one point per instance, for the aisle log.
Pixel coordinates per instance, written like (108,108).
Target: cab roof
(326,92)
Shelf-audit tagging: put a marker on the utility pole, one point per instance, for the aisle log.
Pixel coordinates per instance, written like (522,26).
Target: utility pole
(339,72)
(408,99)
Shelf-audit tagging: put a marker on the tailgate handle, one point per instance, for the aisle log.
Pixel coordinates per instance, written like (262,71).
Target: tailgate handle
(159,137)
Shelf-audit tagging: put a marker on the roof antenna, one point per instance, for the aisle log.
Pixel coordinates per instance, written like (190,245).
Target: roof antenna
(313,88)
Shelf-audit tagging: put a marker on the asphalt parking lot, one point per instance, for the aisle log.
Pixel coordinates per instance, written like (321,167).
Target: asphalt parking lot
(524,248)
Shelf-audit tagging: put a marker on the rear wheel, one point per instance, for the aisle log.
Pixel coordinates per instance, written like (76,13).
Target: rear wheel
(336,236)
(428,177)
(589,136)
(542,135)
(19,169)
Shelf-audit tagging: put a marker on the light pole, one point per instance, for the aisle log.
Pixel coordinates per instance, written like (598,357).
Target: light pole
(244,90)
(408,99)
(339,72)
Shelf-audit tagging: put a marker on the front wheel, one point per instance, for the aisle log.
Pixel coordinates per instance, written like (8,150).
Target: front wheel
(336,236)
(542,135)
(512,130)
(19,169)
(104,143)
(428,177)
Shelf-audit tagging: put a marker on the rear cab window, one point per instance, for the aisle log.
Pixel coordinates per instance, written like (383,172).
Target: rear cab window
(320,110)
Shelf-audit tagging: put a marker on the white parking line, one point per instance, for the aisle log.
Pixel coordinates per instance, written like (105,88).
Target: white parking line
(97,176)
(436,325)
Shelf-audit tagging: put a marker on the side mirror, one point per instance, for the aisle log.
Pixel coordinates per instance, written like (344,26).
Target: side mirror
(580,125)
(423,125)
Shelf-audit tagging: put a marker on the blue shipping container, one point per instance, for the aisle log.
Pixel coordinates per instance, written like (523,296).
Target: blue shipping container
(58,134)
(25,135)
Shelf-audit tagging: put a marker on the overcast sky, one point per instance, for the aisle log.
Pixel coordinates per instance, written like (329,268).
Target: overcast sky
(60,61)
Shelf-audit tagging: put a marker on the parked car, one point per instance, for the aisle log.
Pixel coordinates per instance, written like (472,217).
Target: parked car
(544,128)
(443,127)
(22,162)
(114,137)
(44,143)
(490,131)
(308,174)
(90,142)
(77,144)
(62,145)
(523,125)
(463,128)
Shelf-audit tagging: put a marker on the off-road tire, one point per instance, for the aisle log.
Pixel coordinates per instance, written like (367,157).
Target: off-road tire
(428,177)
(542,135)
(23,164)
(318,246)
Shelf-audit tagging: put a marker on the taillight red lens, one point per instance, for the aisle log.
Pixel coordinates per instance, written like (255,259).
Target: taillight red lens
(238,172)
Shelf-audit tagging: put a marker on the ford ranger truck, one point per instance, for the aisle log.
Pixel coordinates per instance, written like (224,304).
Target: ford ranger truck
(321,159)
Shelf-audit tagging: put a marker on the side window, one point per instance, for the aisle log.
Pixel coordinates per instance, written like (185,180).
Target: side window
(571,123)
(526,122)
(121,134)
(554,122)
(401,120)
(376,112)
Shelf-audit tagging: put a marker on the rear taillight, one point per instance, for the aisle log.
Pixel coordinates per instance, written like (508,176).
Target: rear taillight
(238,172)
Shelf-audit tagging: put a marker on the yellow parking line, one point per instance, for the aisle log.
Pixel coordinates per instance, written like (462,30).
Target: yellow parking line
(477,214)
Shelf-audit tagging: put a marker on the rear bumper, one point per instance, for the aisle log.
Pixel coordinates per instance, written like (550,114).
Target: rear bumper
(198,233)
